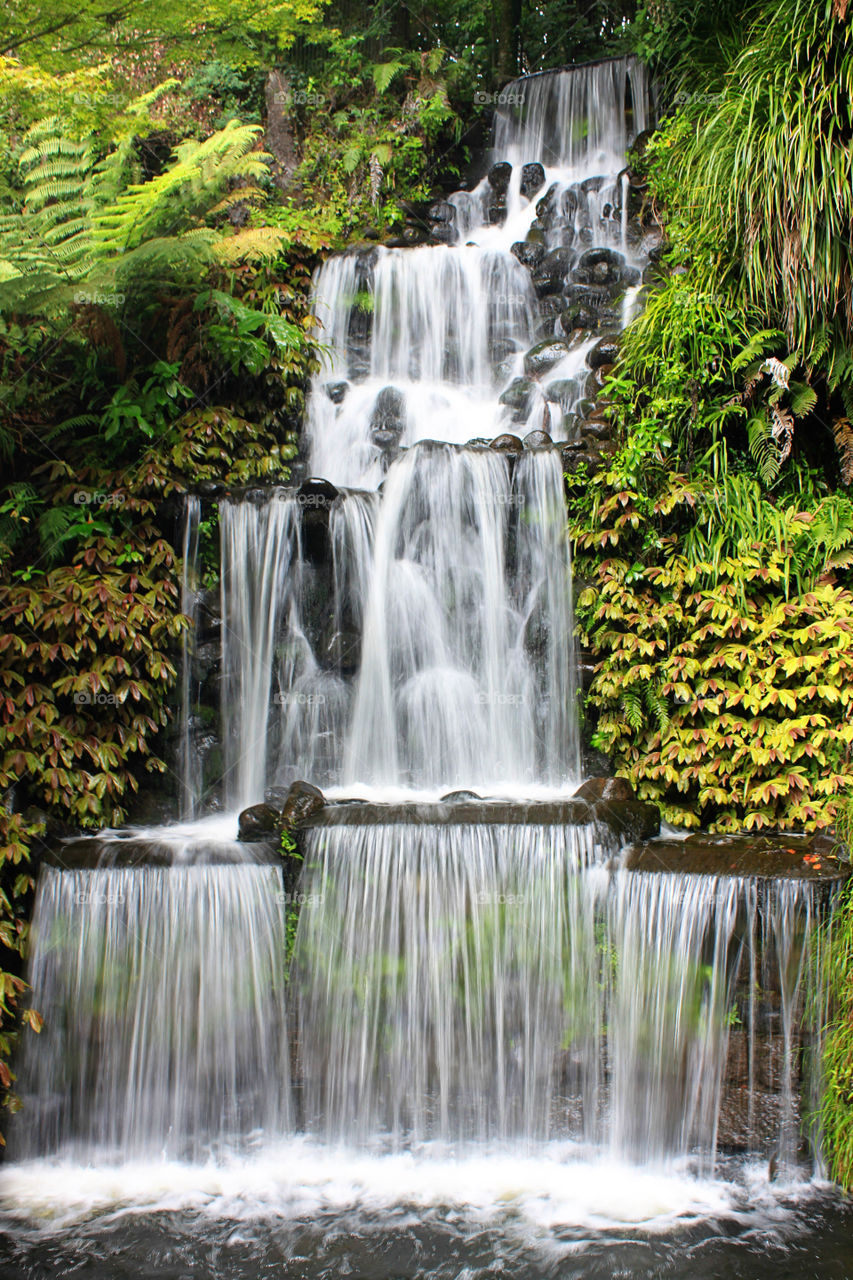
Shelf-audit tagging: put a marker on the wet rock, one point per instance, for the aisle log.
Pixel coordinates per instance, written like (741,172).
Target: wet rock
(544,356)
(210,488)
(583,459)
(258,822)
(443,233)
(316,492)
(537,440)
(529,253)
(550,275)
(414,236)
(388,420)
(457,797)
(507,443)
(617,789)
(336,391)
(793,856)
(578,317)
(532,178)
(570,201)
(601,267)
(499,176)
(385,439)
(517,398)
(535,233)
(597,430)
(547,206)
(563,391)
(605,351)
(550,307)
(561,234)
(441,211)
(303,802)
(594,183)
(497,212)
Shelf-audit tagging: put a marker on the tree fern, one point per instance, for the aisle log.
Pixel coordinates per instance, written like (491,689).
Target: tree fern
(84,231)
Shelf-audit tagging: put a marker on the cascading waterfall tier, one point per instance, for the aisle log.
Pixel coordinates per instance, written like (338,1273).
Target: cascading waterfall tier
(424,641)
(162,992)
(501,983)
(430,343)
(495,984)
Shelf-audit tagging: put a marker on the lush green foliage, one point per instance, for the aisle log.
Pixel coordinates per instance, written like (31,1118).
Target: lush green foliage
(55,33)
(752,333)
(836,1106)
(726,649)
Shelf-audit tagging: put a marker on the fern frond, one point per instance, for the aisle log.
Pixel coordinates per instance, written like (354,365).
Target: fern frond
(843,433)
(763,447)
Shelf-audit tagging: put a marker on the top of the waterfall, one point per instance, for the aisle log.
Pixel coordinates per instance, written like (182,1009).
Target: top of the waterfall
(580,118)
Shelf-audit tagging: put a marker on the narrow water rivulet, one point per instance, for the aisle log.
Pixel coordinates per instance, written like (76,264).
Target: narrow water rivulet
(459,1028)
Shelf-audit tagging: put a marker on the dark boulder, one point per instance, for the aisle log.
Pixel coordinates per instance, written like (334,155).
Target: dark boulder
(600,267)
(578,317)
(563,391)
(529,253)
(605,351)
(316,492)
(303,802)
(615,789)
(541,358)
(258,822)
(458,797)
(499,176)
(441,211)
(537,440)
(443,233)
(388,419)
(550,275)
(507,443)
(547,206)
(597,430)
(336,391)
(532,178)
(517,398)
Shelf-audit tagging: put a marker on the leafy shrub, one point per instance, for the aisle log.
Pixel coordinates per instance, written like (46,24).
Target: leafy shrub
(724,690)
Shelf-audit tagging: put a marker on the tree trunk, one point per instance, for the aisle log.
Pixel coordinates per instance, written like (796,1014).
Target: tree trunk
(280,135)
(508,38)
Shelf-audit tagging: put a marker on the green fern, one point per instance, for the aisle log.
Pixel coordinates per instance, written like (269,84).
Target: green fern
(86,235)
(763,447)
(633,708)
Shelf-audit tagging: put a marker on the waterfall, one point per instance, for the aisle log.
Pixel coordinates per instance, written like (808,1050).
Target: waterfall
(496,1012)
(467,671)
(189,763)
(489,982)
(162,994)
(420,357)
(581,120)
(430,645)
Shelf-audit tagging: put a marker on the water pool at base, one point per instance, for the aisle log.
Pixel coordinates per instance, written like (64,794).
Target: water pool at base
(302,1213)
